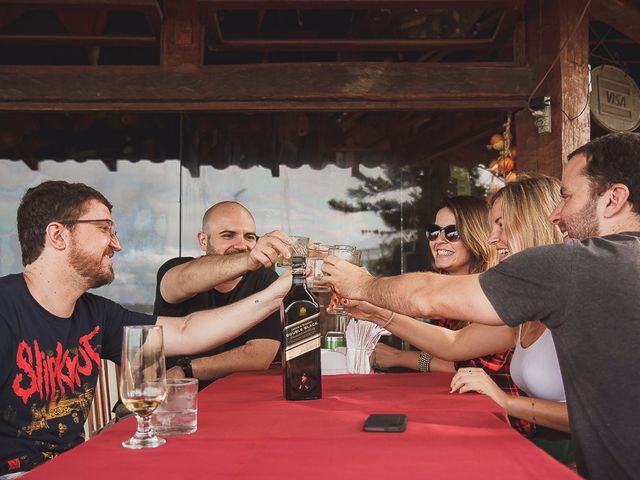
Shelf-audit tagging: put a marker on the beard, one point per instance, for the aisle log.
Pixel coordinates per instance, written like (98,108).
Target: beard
(582,224)
(211,250)
(90,267)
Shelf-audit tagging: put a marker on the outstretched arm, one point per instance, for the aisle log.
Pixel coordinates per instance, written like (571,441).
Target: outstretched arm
(542,412)
(414,294)
(204,330)
(205,273)
(472,341)
(256,354)
(386,356)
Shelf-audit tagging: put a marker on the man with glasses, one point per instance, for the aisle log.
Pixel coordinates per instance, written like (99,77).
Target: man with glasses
(53,334)
(586,291)
(235,265)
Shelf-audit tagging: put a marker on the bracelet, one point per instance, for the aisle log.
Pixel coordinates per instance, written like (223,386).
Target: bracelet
(393,314)
(424,362)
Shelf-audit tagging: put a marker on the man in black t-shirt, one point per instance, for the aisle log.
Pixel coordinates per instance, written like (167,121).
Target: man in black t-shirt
(235,265)
(586,291)
(53,334)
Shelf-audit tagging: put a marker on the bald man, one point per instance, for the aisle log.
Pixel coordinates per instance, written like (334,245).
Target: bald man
(235,265)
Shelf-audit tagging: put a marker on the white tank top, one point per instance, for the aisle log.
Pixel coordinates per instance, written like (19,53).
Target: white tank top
(535,369)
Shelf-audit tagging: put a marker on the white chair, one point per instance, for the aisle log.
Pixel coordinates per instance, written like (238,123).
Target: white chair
(105,396)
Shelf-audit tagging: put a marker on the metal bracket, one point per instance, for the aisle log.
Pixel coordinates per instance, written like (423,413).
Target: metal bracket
(541,107)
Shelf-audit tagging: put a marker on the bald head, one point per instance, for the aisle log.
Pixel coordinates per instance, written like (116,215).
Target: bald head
(227,207)
(227,228)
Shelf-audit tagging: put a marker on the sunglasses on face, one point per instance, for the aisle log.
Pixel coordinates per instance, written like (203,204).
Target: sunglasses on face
(450,232)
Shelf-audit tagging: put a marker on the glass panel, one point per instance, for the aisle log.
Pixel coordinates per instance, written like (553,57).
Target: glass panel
(306,174)
(146,210)
(296,202)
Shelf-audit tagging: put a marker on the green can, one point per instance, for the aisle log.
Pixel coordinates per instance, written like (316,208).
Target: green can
(334,340)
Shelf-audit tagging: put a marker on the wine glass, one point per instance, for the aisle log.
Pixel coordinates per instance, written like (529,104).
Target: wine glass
(143,380)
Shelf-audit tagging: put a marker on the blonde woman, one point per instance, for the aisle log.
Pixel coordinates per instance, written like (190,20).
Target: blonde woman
(519,214)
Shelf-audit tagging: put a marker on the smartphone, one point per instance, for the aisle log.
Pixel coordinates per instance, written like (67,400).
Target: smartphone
(386,422)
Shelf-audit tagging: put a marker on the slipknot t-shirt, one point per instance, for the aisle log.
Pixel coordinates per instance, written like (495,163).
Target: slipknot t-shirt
(48,370)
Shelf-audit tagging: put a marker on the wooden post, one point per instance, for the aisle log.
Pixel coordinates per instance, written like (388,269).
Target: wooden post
(549,24)
(182,36)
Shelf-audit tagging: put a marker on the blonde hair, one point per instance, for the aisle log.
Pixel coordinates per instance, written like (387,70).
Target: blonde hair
(472,221)
(527,204)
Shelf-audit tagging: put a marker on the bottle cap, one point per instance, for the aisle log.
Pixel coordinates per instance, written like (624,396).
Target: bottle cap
(297,260)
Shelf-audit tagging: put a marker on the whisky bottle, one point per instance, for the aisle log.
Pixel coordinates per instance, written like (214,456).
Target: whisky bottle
(301,373)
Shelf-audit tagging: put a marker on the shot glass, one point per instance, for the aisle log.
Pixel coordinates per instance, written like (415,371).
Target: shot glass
(178,414)
(299,246)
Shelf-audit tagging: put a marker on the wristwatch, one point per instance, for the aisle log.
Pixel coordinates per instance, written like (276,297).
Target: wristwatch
(185,364)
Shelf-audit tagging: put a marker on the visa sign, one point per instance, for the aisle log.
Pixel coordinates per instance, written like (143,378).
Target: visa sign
(617,99)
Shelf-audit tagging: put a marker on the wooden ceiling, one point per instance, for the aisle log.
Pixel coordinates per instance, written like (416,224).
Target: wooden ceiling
(429,63)
(241,31)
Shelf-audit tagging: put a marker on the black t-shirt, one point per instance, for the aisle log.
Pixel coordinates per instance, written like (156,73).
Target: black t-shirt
(48,370)
(588,294)
(252,282)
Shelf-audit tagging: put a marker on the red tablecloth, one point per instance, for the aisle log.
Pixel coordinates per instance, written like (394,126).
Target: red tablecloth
(247,430)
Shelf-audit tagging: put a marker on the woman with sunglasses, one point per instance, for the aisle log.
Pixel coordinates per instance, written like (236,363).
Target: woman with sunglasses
(459,244)
(459,247)
(519,214)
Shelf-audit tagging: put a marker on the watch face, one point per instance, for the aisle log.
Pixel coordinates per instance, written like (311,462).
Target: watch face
(184,362)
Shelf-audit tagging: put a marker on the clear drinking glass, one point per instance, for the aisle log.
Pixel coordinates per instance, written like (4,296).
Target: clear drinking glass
(143,380)
(317,254)
(178,414)
(299,246)
(351,255)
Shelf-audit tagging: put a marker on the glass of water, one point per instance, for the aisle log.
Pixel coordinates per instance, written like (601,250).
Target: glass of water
(178,414)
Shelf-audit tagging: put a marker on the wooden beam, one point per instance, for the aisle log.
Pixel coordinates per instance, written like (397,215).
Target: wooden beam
(567,85)
(70,39)
(312,86)
(182,36)
(623,15)
(108,4)
(393,45)
(351,4)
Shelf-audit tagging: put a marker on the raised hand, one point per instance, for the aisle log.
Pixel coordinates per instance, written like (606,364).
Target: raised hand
(477,380)
(347,279)
(268,248)
(362,310)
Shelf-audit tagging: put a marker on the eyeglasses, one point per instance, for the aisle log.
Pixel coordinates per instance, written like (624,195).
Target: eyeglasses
(450,232)
(108,227)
